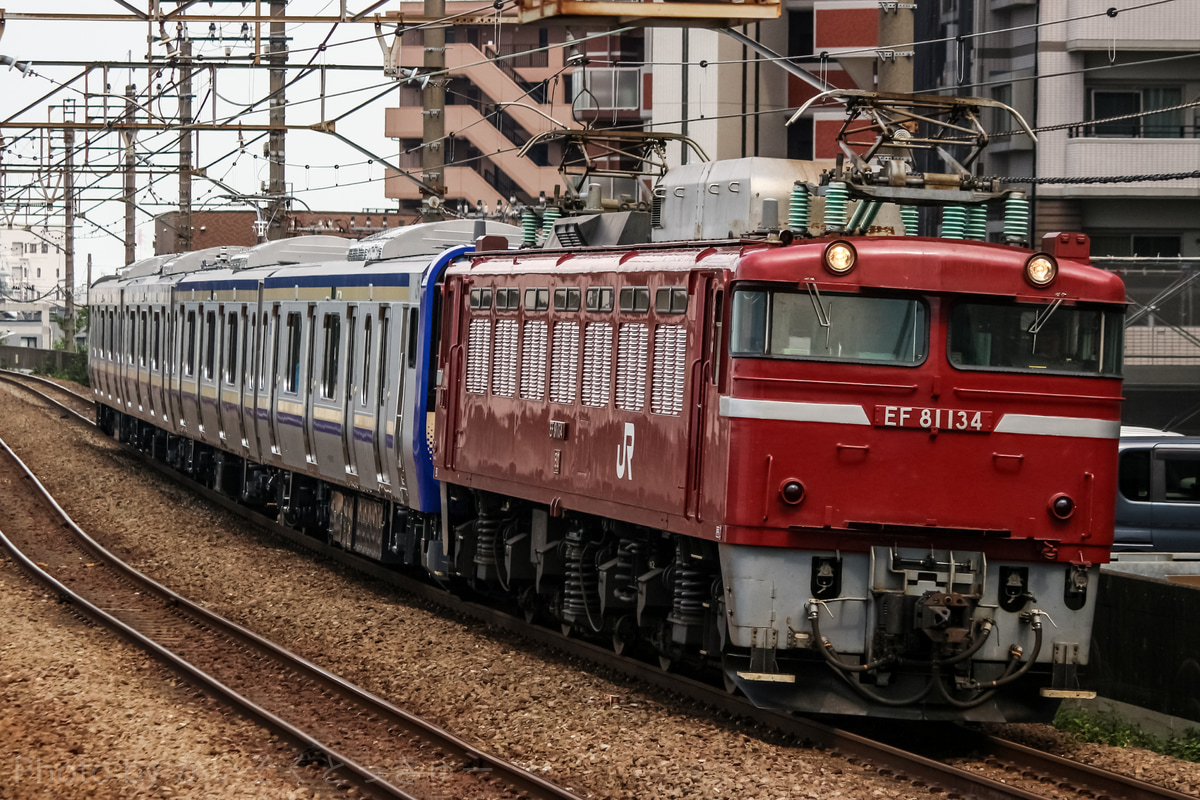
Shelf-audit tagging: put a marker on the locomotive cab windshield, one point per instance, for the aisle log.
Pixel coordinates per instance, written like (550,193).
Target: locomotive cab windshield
(1024,337)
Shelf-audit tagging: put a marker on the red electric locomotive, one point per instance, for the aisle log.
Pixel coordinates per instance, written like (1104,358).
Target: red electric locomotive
(858,474)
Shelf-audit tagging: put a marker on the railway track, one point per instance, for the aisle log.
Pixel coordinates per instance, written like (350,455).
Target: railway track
(57,394)
(1006,762)
(361,740)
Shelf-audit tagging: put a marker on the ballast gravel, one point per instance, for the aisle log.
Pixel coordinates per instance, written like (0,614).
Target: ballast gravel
(601,737)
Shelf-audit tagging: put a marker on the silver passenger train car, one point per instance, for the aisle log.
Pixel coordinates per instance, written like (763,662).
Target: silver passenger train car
(294,374)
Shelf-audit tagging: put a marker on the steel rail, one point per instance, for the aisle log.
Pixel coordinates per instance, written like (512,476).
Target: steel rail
(886,759)
(18,378)
(398,722)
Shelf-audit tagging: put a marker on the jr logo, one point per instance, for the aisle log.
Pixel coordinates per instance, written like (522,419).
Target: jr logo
(625,454)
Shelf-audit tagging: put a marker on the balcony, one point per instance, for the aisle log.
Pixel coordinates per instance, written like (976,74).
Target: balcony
(1172,26)
(1104,157)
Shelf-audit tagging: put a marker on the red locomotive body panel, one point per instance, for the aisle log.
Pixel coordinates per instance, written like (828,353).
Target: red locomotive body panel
(594,410)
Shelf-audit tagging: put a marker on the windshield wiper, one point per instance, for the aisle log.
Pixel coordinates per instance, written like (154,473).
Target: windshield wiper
(814,294)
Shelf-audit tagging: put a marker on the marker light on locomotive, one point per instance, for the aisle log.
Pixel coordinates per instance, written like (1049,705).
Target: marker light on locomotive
(840,257)
(1041,270)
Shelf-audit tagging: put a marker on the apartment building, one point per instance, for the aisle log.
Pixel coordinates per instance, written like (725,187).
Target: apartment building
(32,263)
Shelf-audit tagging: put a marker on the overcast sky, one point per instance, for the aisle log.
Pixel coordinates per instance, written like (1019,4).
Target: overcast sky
(323,172)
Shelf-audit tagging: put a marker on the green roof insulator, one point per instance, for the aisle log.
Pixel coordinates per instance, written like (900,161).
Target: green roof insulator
(911,219)
(1016,218)
(977,219)
(529,228)
(836,198)
(548,217)
(798,209)
(954,222)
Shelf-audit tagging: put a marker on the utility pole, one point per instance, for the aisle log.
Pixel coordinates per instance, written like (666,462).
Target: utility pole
(277,187)
(433,154)
(895,54)
(69,242)
(184,235)
(129,137)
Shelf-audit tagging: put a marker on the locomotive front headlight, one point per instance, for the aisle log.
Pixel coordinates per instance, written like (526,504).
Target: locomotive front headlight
(840,257)
(1062,506)
(1041,269)
(791,491)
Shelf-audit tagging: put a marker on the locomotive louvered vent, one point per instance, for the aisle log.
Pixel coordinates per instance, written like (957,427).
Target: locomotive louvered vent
(479,345)
(533,360)
(670,348)
(569,235)
(597,364)
(504,359)
(564,370)
(631,366)
(656,207)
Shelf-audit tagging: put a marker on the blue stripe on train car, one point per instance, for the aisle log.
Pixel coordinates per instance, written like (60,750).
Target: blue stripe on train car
(338,279)
(427,496)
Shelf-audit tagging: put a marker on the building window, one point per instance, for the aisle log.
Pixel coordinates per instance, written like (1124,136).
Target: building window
(1120,102)
(1160,245)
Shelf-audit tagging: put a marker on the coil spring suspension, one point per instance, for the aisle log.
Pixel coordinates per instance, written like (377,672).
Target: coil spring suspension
(581,595)
(625,574)
(487,529)
(691,587)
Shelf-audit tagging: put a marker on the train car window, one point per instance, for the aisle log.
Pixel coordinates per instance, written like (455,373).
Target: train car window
(598,299)
(366,363)
(481,299)
(831,327)
(189,366)
(1035,338)
(291,366)
(143,349)
(413,328)
(564,363)
(252,333)
(566,299)
(670,353)
(504,359)
(597,364)
(632,340)
(210,351)
(131,337)
(537,299)
(384,328)
(333,350)
(635,299)
(157,351)
(231,349)
(269,355)
(670,300)
(508,299)
(533,359)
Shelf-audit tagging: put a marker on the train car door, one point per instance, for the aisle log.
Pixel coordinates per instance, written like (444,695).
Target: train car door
(229,397)
(348,391)
(158,405)
(388,391)
(210,397)
(364,436)
(268,385)
(290,402)
(251,355)
(700,368)
(310,385)
(189,381)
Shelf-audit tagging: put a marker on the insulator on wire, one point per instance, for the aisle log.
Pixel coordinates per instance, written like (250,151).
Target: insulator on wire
(548,217)
(799,209)
(977,217)
(954,222)
(836,198)
(911,219)
(529,228)
(1016,218)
